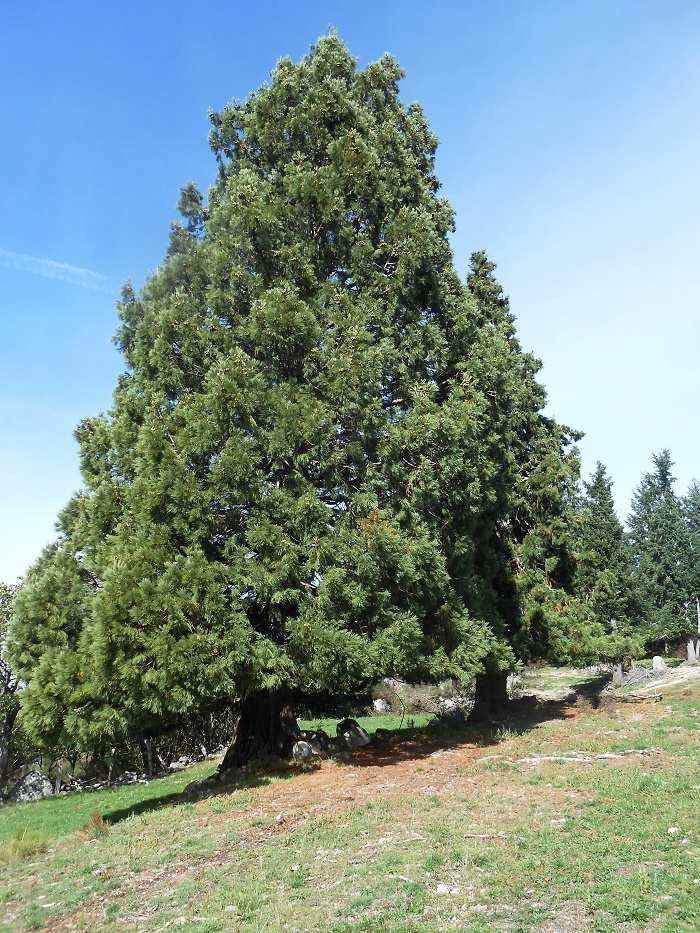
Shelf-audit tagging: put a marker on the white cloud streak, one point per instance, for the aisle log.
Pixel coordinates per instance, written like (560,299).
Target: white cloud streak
(85,278)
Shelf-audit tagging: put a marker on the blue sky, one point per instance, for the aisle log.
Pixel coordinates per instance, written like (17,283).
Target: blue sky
(570,150)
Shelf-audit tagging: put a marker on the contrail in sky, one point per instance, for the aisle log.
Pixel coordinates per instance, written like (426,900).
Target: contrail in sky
(57,270)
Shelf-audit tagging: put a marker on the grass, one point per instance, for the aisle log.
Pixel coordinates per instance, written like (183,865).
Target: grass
(21,846)
(392,722)
(433,832)
(56,817)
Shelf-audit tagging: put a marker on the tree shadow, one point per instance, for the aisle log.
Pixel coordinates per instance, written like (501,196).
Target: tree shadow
(240,779)
(401,745)
(520,717)
(143,806)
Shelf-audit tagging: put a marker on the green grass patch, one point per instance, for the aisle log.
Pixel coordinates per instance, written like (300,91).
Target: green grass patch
(60,816)
(609,845)
(22,845)
(390,722)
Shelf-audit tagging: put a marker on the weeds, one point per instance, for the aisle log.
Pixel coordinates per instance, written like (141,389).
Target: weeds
(95,827)
(22,846)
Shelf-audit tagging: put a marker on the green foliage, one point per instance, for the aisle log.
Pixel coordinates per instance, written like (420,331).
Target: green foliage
(530,551)
(660,540)
(297,475)
(604,569)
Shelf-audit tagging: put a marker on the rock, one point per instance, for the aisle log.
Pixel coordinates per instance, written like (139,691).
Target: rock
(176,766)
(318,740)
(382,735)
(352,733)
(33,786)
(658,663)
(302,750)
(197,788)
(381,705)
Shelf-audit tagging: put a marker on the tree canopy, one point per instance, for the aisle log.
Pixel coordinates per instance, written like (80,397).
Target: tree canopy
(661,539)
(327,459)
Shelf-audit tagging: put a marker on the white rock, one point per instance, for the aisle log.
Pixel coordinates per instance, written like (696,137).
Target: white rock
(33,786)
(302,750)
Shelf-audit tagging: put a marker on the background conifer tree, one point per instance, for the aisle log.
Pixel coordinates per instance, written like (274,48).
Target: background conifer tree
(660,544)
(604,568)
(603,581)
(691,513)
(531,551)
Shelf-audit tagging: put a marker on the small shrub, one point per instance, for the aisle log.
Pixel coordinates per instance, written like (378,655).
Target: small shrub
(96,826)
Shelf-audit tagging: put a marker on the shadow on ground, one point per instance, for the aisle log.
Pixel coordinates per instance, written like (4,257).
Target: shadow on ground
(401,745)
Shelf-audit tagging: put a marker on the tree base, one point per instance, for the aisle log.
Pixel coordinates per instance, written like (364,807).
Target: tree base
(490,698)
(266,726)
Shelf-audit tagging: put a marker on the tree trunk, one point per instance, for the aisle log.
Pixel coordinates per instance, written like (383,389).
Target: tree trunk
(491,697)
(6,726)
(199,742)
(59,776)
(149,755)
(266,726)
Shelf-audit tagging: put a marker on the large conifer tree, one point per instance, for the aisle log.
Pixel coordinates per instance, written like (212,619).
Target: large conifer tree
(293,486)
(327,460)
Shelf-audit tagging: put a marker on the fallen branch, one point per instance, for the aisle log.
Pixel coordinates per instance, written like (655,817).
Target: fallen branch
(640,697)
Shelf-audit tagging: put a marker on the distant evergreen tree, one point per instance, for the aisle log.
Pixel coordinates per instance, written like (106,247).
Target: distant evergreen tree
(604,569)
(660,546)
(691,513)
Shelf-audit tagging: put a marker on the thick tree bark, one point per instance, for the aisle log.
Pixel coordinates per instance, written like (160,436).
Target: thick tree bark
(149,755)
(6,726)
(491,697)
(266,726)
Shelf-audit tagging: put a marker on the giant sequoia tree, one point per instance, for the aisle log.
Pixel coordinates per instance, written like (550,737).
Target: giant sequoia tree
(298,486)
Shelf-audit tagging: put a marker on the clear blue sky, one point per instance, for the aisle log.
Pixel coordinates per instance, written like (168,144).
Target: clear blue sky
(570,149)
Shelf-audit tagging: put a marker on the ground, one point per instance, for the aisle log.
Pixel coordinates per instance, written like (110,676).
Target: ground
(575,814)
